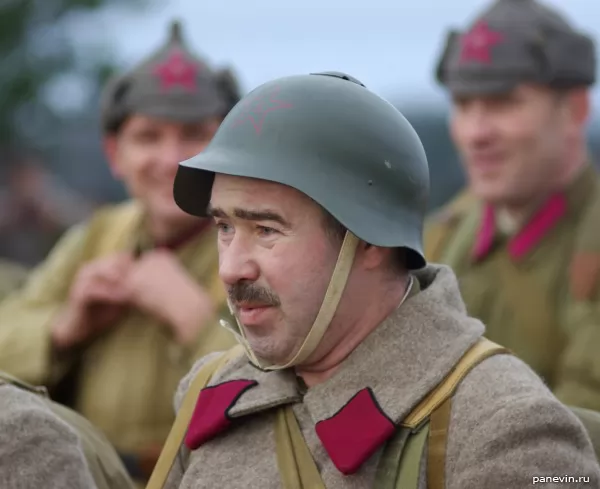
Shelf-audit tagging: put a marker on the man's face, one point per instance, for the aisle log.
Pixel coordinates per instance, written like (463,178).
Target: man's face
(275,259)
(145,155)
(512,145)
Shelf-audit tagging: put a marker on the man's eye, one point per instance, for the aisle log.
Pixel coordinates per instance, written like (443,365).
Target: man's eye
(223,227)
(146,137)
(265,230)
(195,135)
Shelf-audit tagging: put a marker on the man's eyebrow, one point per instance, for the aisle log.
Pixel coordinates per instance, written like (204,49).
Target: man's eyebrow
(215,211)
(249,215)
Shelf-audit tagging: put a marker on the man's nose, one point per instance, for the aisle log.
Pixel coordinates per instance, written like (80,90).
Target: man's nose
(478,127)
(236,262)
(170,155)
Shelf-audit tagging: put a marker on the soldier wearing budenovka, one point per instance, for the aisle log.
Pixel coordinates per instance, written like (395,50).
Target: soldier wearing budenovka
(121,308)
(303,173)
(45,444)
(527,248)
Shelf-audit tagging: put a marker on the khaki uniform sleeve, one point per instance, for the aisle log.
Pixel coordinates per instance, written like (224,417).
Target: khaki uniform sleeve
(12,277)
(26,315)
(578,372)
(37,448)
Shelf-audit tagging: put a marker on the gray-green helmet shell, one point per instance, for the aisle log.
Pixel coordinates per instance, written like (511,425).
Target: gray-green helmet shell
(331,138)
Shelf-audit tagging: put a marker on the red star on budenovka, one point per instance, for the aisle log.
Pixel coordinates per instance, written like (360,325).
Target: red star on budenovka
(476,44)
(256,109)
(176,70)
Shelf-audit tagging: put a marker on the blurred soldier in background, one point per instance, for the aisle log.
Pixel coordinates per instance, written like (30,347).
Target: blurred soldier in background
(524,239)
(44,444)
(118,312)
(36,208)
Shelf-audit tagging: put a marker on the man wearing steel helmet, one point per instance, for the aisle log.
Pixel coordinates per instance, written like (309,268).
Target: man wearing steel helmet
(350,346)
(524,242)
(121,308)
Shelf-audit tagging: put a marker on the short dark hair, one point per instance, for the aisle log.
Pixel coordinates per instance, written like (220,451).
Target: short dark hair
(336,231)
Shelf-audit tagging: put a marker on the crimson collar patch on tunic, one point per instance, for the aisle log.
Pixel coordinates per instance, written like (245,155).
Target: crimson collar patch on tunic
(542,222)
(211,414)
(355,432)
(237,390)
(350,437)
(359,408)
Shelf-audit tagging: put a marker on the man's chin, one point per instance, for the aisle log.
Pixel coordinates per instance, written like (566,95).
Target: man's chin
(271,355)
(490,192)
(268,348)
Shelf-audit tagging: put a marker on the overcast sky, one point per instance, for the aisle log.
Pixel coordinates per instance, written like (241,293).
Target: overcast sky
(390,45)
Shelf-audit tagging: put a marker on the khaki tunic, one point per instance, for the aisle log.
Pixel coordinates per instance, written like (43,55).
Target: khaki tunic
(536,291)
(505,426)
(127,377)
(12,276)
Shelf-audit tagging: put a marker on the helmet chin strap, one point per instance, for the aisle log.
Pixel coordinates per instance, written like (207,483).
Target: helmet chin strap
(334,292)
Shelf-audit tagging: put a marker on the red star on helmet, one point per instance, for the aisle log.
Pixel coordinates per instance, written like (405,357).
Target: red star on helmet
(256,109)
(177,70)
(476,44)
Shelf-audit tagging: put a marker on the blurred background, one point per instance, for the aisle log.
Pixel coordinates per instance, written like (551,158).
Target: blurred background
(55,56)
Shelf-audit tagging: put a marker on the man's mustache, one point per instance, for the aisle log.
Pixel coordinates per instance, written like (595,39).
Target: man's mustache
(245,292)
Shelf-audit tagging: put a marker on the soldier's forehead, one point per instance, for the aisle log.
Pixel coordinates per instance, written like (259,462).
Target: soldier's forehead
(257,193)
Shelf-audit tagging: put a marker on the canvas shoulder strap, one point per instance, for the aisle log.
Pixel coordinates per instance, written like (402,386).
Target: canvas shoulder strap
(6,378)
(399,467)
(432,416)
(483,349)
(430,420)
(297,468)
(177,434)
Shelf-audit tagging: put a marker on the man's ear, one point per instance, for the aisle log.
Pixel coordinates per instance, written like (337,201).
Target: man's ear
(373,257)
(580,106)
(110,144)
